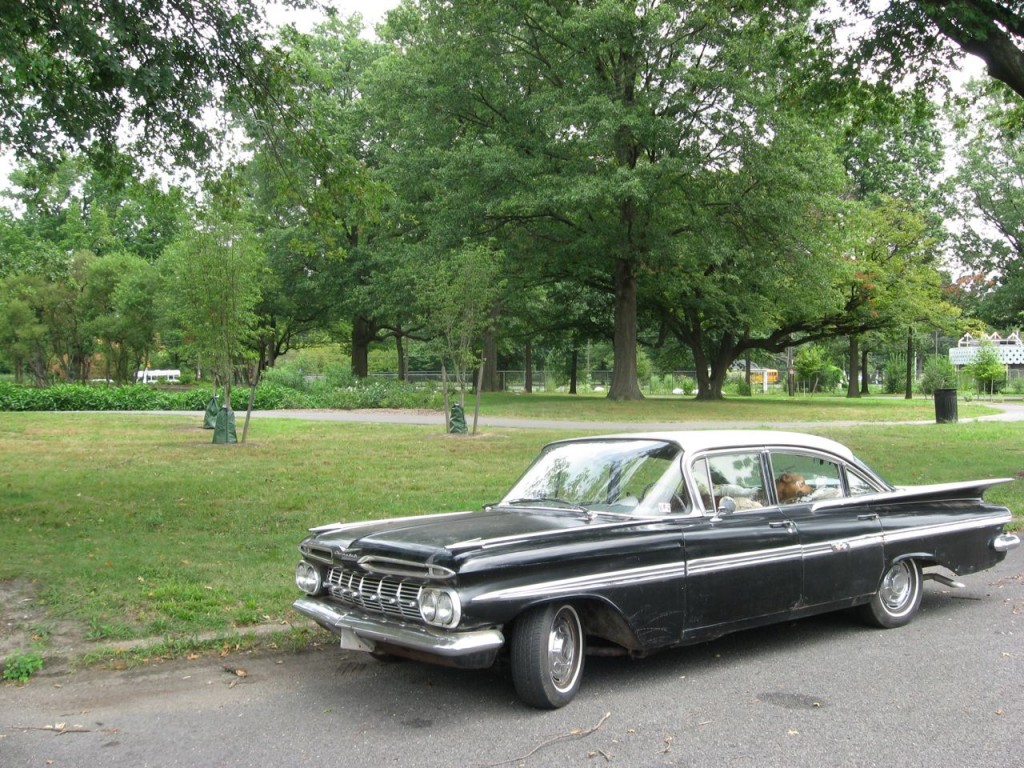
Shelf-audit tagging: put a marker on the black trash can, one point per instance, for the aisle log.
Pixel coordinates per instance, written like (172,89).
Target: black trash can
(945,406)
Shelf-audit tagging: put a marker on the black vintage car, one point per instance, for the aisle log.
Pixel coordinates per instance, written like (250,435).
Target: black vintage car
(632,543)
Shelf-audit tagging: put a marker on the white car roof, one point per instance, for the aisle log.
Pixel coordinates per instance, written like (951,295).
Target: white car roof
(714,439)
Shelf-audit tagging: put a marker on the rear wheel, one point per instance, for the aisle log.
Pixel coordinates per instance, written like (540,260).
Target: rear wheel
(898,596)
(547,655)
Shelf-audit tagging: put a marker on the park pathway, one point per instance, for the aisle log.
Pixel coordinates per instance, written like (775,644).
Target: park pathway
(1008,412)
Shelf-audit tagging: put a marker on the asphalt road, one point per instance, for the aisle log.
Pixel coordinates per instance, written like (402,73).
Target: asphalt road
(1008,411)
(947,690)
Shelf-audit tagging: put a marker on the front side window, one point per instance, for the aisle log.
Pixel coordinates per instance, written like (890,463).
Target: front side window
(858,484)
(737,476)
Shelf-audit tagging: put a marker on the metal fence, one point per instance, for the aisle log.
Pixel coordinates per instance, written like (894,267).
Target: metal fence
(515,380)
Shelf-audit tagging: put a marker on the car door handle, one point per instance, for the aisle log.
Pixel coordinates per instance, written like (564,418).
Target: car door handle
(870,516)
(780,524)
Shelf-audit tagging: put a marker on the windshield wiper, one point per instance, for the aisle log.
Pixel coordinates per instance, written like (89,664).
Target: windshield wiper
(550,501)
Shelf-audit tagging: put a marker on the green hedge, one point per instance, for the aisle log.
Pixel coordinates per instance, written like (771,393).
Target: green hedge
(142,397)
(82,397)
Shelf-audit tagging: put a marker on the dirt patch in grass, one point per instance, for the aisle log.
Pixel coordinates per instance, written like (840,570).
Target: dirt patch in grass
(27,626)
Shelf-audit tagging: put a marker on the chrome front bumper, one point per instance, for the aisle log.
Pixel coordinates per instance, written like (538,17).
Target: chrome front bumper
(359,631)
(1004,542)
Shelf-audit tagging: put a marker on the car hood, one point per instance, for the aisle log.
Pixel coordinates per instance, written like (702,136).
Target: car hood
(431,534)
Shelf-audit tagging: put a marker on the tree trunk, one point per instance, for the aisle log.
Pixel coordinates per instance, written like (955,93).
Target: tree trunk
(702,373)
(853,386)
(624,385)
(252,401)
(910,365)
(574,370)
(403,364)
(363,333)
(790,374)
(865,374)
(447,406)
(528,363)
(488,379)
(479,391)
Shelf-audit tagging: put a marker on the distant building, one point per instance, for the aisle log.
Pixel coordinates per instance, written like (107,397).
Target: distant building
(1010,351)
(151,376)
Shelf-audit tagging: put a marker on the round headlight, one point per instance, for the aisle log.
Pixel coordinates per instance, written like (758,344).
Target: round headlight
(307,578)
(445,609)
(428,605)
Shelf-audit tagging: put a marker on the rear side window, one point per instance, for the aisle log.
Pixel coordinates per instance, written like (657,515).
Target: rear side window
(802,478)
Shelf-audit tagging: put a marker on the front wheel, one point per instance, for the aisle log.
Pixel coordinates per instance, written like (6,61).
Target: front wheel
(547,656)
(898,596)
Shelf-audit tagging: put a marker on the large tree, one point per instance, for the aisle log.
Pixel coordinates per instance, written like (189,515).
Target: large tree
(893,150)
(580,128)
(317,199)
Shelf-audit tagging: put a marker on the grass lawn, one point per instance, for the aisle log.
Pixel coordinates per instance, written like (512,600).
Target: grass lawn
(137,526)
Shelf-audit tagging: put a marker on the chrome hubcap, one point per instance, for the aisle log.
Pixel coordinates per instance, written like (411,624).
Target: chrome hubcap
(564,649)
(896,587)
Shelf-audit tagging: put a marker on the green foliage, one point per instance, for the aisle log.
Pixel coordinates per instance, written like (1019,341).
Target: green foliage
(920,38)
(987,370)
(939,373)
(671,383)
(215,276)
(990,204)
(894,373)
(19,666)
(815,370)
(286,375)
(79,74)
(83,397)
(369,393)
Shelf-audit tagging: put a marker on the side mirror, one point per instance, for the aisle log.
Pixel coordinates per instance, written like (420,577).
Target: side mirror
(726,506)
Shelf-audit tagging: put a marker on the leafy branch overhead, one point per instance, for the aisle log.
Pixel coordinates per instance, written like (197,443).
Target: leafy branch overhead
(83,74)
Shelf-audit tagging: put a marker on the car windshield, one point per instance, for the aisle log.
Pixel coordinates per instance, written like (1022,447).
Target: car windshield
(635,477)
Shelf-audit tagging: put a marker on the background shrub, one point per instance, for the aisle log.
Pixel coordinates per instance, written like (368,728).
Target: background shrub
(938,373)
(270,395)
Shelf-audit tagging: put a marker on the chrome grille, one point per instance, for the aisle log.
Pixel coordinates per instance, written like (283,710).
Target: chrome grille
(376,594)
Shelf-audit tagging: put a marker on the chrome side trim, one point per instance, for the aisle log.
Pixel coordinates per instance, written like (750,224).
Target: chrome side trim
(574,584)
(832,546)
(744,559)
(379,630)
(335,527)
(938,529)
(1005,542)
(517,537)
(707,565)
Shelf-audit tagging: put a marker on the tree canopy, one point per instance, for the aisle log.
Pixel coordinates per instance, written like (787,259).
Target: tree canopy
(688,181)
(93,74)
